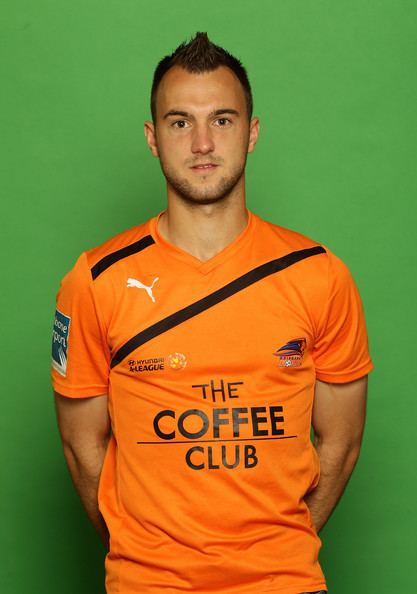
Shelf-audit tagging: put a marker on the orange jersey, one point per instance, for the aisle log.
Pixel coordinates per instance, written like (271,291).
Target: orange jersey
(210,371)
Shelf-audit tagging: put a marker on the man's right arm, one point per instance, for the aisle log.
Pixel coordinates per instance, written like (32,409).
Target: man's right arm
(84,425)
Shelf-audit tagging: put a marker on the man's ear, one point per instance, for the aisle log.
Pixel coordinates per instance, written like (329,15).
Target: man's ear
(149,130)
(253,134)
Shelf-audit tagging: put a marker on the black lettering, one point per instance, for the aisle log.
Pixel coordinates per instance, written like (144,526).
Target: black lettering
(231,389)
(273,410)
(237,421)
(189,413)
(256,419)
(217,421)
(189,461)
(225,463)
(161,434)
(251,458)
(211,465)
(203,386)
(215,390)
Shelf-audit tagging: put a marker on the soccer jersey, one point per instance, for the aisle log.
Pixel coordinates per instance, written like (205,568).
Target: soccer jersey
(210,370)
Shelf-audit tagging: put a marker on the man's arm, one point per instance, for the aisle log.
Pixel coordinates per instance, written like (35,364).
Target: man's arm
(338,422)
(84,425)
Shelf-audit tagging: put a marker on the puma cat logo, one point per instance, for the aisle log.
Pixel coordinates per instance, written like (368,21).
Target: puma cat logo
(132,282)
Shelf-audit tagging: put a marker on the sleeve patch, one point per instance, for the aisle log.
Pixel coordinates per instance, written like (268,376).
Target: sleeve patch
(60,335)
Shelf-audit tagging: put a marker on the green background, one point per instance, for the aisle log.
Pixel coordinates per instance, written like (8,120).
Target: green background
(335,88)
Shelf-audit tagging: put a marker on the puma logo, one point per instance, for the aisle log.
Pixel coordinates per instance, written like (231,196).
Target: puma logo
(132,282)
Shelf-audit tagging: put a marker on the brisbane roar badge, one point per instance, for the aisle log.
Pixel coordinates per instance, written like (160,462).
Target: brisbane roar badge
(291,354)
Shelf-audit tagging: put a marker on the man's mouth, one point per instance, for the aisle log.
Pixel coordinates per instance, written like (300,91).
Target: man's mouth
(204,167)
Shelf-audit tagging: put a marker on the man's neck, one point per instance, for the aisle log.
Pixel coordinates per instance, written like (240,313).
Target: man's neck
(203,230)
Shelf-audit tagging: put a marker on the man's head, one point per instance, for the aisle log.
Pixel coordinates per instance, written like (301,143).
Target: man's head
(198,56)
(202,128)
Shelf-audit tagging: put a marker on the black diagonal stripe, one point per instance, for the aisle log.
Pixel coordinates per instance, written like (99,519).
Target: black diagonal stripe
(124,252)
(221,294)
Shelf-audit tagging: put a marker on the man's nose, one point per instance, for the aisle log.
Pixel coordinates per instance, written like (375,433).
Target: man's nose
(202,140)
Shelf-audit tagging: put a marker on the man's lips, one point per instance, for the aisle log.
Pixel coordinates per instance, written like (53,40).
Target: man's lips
(204,167)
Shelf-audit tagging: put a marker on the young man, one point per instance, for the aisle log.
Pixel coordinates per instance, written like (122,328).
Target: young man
(191,355)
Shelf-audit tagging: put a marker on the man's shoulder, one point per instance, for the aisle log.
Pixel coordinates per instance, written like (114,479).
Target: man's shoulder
(129,238)
(285,237)
(116,248)
(93,261)
(275,239)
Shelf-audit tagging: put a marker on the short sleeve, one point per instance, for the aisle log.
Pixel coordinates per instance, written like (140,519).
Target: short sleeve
(340,351)
(80,355)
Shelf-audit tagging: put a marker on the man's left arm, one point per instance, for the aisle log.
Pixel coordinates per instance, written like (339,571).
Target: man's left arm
(338,420)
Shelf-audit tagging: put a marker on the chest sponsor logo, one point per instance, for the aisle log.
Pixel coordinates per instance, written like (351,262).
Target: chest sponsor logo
(133,282)
(175,361)
(219,432)
(60,335)
(291,354)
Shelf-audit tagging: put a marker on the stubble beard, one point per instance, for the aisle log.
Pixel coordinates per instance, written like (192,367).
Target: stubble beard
(206,194)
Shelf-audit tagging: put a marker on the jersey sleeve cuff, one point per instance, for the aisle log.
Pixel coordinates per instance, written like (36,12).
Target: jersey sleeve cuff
(80,392)
(341,378)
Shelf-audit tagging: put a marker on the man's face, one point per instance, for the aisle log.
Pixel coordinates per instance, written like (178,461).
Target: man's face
(202,133)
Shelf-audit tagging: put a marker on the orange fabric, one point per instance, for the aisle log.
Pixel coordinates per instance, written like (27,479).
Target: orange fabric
(203,482)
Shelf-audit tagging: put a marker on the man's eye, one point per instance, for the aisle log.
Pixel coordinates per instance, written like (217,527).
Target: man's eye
(222,122)
(180,124)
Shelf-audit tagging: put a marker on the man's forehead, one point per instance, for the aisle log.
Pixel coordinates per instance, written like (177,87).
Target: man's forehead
(184,90)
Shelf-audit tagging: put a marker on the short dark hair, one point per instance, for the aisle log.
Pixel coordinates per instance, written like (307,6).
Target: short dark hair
(201,55)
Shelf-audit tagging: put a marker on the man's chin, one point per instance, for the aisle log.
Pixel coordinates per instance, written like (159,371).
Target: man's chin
(196,200)
(198,196)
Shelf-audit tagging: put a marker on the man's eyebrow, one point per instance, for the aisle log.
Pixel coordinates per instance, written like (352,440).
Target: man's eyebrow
(216,112)
(223,111)
(175,112)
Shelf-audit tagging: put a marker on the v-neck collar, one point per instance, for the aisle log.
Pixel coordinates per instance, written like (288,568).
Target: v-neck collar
(193,262)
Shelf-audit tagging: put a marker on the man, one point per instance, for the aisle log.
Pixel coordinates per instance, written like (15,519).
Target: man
(191,355)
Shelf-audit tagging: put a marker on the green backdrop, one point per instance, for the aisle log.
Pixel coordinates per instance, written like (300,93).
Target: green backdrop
(335,88)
